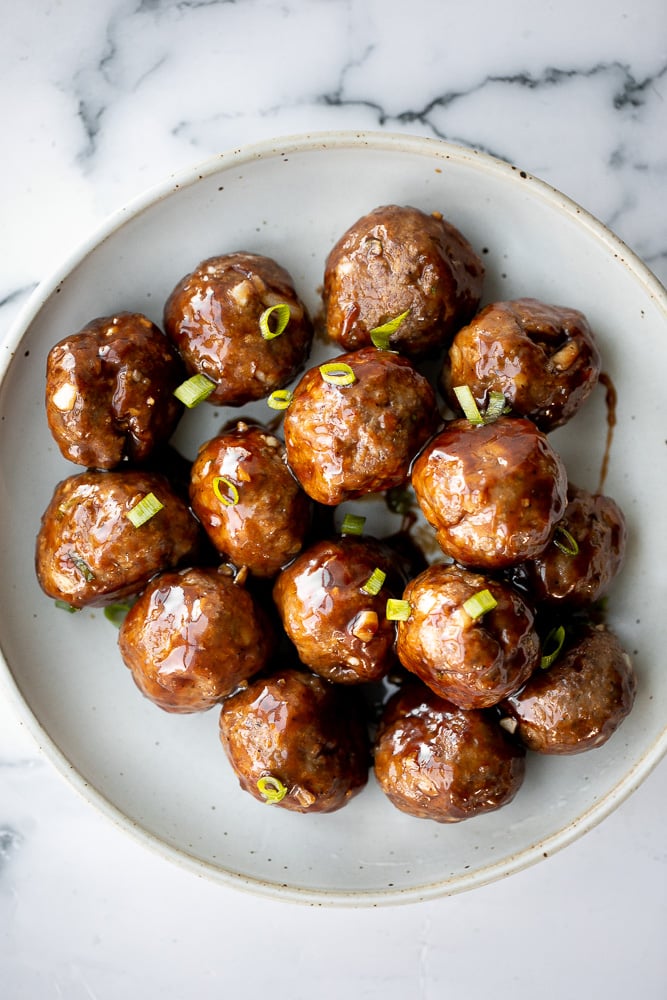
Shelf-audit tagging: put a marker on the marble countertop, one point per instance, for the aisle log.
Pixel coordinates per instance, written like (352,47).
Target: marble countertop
(99,102)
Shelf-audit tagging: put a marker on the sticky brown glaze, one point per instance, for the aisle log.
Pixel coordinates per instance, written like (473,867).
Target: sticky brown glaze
(109,391)
(472,662)
(436,761)
(580,574)
(89,553)
(266,527)
(580,700)
(493,493)
(543,359)
(213,318)
(192,637)
(340,631)
(299,729)
(344,441)
(396,259)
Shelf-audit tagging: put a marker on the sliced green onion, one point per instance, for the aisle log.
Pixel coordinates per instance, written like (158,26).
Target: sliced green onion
(480,603)
(282,318)
(271,789)
(553,645)
(280,399)
(380,334)
(353,524)
(144,510)
(82,566)
(337,373)
(231,497)
(397,610)
(374,582)
(565,541)
(64,606)
(116,613)
(194,390)
(496,406)
(468,404)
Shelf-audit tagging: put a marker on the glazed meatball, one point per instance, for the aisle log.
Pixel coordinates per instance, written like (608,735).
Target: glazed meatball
(296,740)
(436,761)
(88,550)
(399,260)
(580,700)
(328,609)
(470,658)
(213,317)
(585,554)
(493,492)
(192,637)
(346,440)
(248,501)
(110,391)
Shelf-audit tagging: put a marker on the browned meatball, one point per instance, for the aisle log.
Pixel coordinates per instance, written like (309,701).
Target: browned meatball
(339,628)
(344,441)
(396,260)
(90,553)
(109,391)
(192,637)
(213,317)
(296,740)
(585,553)
(493,492)
(436,761)
(542,358)
(248,501)
(580,700)
(474,660)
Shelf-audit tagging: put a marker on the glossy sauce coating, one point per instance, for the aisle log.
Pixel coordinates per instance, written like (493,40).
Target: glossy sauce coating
(263,524)
(109,391)
(301,730)
(472,662)
(395,259)
(213,318)
(89,553)
(344,441)
(493,493)
(436,761)
(192,637)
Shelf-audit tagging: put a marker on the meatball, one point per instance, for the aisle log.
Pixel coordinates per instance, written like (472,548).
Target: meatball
(109,391)
(585,554)
(296,740)
(346,440)
(580,700)
(248,501)
(493,492)
(399,260)
(436,761)
(329,610)
(542,358)
(88,550)
(470,658)
(213,317)
(192,637)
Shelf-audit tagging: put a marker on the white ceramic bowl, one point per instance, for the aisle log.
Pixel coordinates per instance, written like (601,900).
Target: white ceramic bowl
(164,778)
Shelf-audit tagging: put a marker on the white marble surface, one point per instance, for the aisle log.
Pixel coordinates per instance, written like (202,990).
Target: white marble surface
(99,101)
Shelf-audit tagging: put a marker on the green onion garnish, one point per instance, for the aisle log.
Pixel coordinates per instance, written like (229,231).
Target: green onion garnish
(496,406)
(353,524)
(64,606)
(82,566)
(337,373)
(280,399)
(231,497)
(380,334)
(271,789)
(468,404)
(397,610)
(480,603)
(374,582)
(565,541)
(116,613)
(144,510)
(194,390)
(282,318)
(553,644)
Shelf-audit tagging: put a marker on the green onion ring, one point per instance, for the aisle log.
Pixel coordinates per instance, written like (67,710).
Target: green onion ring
(569,545)
(554,639)
(271,789)
(337,373)
(232,497)
(144,510)
(380,334)
(64,606)
(282,316)
(353,524)
(280,399)
(375,582)
(496,406)
(194,390)
(397,610)
(468,404)
(478,604)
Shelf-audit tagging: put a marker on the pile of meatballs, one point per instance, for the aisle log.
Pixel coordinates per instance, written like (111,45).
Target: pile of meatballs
(331,653)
